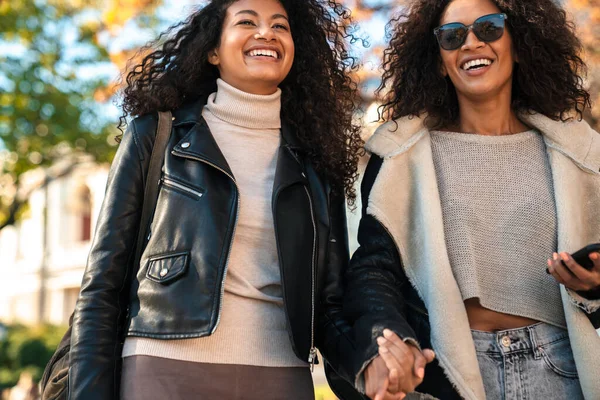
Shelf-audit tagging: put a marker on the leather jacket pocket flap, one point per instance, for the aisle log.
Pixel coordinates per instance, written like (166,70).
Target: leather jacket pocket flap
(166,268)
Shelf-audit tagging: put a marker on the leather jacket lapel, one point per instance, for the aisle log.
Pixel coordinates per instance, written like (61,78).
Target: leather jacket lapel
(289,163)
(200,145)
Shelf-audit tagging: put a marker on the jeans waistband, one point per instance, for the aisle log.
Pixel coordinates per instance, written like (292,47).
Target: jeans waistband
(518,340)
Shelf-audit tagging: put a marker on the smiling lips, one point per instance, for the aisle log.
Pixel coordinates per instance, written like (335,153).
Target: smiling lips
(476,64)
(263,53)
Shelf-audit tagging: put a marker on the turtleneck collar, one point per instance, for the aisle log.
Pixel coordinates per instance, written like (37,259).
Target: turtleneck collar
(243,109)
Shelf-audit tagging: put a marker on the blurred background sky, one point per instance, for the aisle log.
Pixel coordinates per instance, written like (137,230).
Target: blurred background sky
(59,67)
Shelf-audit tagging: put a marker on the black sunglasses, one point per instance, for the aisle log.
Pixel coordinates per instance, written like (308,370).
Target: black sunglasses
(487,28)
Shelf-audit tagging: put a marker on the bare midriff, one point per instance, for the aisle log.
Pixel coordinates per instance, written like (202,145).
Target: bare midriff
(484,319)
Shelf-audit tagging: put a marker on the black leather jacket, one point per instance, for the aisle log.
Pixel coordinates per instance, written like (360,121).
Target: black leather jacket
(190,237)
(378,296)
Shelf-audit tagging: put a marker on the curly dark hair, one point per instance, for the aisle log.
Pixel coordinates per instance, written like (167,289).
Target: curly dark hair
(547,79)
(318,96)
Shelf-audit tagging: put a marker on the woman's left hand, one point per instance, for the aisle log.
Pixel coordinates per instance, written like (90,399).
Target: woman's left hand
(572,275)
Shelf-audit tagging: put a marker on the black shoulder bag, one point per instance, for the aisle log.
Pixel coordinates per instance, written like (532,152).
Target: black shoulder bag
(55,380)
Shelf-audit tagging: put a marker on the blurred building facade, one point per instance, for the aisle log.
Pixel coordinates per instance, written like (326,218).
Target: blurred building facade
(43,256)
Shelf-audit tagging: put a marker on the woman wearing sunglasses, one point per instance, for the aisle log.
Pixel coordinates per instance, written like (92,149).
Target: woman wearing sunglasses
(484,178)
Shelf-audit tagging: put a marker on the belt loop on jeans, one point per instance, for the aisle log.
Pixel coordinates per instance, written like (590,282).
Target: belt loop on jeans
(536,349)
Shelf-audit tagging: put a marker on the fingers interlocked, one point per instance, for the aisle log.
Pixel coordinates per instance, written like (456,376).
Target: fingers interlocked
(405,362)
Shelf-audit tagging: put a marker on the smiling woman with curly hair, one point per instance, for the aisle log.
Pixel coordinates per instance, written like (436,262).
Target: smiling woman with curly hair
(480,185)
(318,98)
(249,223)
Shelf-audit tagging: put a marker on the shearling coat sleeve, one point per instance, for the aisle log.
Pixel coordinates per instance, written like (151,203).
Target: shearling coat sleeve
(590,306)
(373,299)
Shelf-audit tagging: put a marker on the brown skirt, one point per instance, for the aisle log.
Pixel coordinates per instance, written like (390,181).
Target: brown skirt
(149,378)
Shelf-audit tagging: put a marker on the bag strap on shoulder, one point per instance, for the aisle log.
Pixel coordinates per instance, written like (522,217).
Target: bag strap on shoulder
(163,131)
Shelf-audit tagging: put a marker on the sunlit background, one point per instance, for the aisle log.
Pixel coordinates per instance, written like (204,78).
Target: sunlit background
(59,68)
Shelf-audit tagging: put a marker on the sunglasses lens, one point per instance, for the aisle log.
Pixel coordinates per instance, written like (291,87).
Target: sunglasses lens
(451,36)
(489,28)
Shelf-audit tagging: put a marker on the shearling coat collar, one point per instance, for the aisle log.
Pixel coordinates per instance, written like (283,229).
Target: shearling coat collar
(575,139)
(405,199)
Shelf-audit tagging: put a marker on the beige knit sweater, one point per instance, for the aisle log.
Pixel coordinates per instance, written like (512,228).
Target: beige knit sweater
(499,218)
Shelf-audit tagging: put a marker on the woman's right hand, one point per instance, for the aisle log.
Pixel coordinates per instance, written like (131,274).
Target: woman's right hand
(398,370)
(377,381)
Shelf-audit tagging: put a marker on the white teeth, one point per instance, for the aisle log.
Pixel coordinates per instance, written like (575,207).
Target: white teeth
(263,52)
(479,61)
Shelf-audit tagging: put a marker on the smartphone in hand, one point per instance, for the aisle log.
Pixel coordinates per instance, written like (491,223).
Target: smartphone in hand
(582,256)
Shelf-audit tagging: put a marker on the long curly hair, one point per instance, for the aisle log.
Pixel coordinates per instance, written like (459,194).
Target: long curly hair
(547,79)
(318,96)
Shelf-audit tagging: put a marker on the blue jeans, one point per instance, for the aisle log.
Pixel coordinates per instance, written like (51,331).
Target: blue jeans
(534,362)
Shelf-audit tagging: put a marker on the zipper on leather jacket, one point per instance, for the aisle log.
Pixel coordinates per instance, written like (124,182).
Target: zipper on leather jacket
(312,354)
(194,193)
(222,289)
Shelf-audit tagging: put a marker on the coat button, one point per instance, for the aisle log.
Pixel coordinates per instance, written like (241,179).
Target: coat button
(185,145)
(163,272)
(506,341)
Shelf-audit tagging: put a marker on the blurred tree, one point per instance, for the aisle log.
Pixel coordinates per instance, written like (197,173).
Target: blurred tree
(586,14)
(366,14)
(27,349)
(53,71)
(47,82)
(118,12)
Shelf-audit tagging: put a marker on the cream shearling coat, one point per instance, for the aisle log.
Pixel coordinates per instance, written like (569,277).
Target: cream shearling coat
(405,199)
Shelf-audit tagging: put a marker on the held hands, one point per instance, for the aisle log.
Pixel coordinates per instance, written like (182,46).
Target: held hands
(398,370)
(573,275)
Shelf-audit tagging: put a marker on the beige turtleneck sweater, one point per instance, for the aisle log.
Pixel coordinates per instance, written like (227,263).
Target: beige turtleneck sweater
(252,329)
